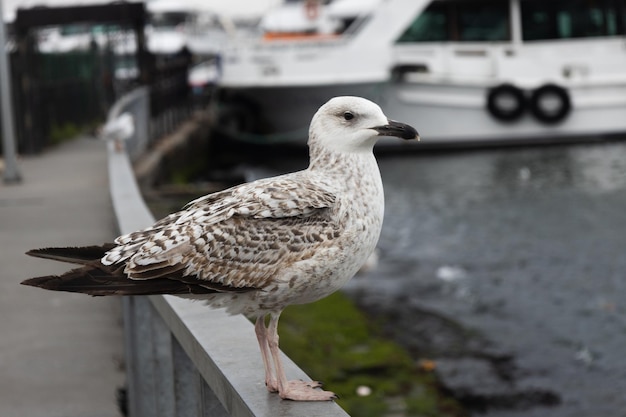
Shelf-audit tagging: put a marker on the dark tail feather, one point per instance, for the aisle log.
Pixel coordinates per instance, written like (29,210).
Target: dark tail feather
(94,278)
(76,280)
(95,281)
(76,255)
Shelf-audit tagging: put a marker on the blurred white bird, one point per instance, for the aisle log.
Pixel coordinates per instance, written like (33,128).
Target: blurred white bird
(119,130)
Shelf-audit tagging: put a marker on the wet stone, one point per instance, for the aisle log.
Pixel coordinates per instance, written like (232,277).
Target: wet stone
(480,385)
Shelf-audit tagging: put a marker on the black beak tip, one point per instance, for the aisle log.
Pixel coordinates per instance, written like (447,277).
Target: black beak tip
(410,133)
(400,130)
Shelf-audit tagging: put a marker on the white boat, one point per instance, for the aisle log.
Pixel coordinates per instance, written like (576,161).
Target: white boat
(460,70)
(176,24)
(172,26)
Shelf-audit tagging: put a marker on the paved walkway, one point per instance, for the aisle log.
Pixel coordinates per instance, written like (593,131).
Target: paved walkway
(61,354)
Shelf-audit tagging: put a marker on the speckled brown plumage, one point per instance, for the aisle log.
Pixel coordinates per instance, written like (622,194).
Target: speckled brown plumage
(259,247)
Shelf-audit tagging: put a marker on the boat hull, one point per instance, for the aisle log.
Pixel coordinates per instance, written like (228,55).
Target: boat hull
(459,113)
(281,114)
(444,114)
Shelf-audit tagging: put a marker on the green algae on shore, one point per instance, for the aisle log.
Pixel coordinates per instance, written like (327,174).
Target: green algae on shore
(333,341)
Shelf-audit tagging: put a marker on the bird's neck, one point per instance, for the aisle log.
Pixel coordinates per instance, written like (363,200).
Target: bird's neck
(336,161)
(352,170)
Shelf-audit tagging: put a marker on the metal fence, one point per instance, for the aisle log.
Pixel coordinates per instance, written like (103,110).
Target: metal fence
(182,358)
(60,90)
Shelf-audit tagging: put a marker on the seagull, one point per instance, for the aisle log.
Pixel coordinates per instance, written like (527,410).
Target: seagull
(119,130)
(258,247)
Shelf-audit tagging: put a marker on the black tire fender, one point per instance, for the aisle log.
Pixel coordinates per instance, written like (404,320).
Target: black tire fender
(495,96)
(556,114)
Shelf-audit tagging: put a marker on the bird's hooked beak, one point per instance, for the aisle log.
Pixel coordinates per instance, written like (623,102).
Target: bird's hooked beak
(401,130)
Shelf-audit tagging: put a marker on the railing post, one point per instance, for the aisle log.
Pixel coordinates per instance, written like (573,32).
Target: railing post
(139,357)
(194,398)
(187,383)
(163,363)
(11,171)
(162,380)
(211,406)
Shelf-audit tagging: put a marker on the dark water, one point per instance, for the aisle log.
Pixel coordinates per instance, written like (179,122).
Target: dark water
(508,268)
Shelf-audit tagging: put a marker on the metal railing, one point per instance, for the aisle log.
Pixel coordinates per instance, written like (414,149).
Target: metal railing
(184,359)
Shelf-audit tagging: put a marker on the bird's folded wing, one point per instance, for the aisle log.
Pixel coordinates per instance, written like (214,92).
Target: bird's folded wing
(283,196)
(237,238)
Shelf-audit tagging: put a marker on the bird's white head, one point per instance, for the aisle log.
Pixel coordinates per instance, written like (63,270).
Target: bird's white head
(353,124)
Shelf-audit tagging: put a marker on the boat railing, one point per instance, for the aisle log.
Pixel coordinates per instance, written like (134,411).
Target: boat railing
(183,358)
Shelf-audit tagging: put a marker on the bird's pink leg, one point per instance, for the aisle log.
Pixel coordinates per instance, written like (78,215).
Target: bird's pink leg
(292,390)
(261,334)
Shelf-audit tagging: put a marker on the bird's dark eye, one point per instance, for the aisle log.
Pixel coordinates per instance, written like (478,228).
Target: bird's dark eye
(348,116)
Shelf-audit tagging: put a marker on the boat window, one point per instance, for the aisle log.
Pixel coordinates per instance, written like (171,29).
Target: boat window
(476,21)
(564,19)
(483,21)
(430,26)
